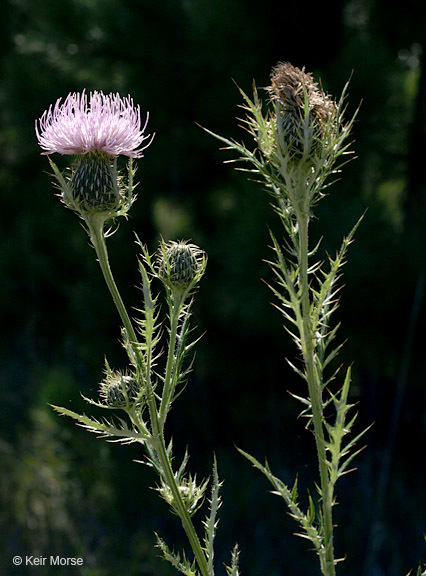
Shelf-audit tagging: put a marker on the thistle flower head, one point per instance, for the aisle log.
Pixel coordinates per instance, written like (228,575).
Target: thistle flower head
(304,111)
(96,123)
(118,390)
(180,264)
(96,128)
(299,140)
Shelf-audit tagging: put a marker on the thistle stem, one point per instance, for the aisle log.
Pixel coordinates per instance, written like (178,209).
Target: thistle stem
(315,393)
(181,509)
(95,225)
(175,311)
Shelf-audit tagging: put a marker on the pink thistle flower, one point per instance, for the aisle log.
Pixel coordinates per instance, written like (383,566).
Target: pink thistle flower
(100,123)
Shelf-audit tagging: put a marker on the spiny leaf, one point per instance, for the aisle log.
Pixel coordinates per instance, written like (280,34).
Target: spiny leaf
(233,569)
(211,522)
(306,521)
(105,428)
(298,371)
(294,491)
(182,565)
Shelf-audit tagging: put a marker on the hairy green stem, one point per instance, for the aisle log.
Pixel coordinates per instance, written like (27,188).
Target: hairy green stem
(96,225)
(181,509)
(175,310)
(315,393)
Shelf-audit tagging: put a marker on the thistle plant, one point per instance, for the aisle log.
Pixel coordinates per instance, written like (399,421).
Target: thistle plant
(300,141)
(95,130)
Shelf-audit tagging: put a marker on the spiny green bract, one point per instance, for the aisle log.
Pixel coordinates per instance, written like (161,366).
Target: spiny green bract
(92,183)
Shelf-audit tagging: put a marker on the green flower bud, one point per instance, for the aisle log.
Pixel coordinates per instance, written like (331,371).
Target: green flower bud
(118,390)
(191,492)
(180,264)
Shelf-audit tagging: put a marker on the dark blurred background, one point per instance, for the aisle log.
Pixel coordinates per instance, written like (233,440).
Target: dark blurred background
(62,491)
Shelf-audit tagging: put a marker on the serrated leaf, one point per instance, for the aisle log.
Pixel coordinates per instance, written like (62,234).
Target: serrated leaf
(181,564)
(233,569)
(105,428)
(210,523)
(306,521)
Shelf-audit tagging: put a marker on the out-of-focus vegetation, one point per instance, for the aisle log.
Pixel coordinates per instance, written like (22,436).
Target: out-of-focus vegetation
(67,494)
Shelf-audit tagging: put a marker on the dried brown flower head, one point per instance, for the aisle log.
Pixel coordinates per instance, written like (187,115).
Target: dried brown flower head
(293,88)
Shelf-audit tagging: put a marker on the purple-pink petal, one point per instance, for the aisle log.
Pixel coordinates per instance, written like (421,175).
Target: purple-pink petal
(102,123)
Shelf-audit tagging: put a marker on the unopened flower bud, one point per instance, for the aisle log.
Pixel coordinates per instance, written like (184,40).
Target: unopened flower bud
(118,390)
(192,493)
(180,264)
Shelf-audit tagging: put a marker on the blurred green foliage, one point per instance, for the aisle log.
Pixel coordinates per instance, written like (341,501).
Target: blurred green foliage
(64,493)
